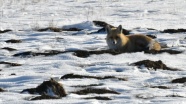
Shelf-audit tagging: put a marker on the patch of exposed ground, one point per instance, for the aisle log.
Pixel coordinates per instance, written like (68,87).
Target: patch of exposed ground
(2,90)
(104,24)
(91,85)
(46,88)
(72,76)
(10,64)
(173,30)
(154,65)
(99,98)
(179,80)
(13,41)
(163,51)
(175,96)
(55,29)
(29,53)
(160,87)
(145,96)
(9,49)
(43,97)
(4,31)
(91,90)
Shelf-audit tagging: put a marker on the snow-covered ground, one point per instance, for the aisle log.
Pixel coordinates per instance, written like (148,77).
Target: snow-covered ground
(23,16)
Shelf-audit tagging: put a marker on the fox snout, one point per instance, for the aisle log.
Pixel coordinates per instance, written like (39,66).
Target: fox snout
(114,41)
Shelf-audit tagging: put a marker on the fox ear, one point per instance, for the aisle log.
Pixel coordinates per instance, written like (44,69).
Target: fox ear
(119,29)
(108,29)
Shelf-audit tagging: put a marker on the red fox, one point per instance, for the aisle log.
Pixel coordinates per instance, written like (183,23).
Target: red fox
(119,42)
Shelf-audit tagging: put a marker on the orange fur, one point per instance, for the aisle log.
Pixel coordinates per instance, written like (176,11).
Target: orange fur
(117,41)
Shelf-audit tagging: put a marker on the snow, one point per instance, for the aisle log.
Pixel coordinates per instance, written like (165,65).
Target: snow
(136,15)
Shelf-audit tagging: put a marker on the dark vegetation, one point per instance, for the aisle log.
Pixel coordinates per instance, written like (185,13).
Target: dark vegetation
(46,86)
(1,90)
(173,30)
(151,29)
(104,24)
(179,80)
(152,36)
(142,96)
(55,29)
(13,74)
(160,87)
(9,49)
(91,85)
(175,96)
(72,76)
(10,64)
(99,98)
(46,53)
(13,41)
(91,90)
(44,97)
(4,31)
(154,65)
(163,51)
(85,53)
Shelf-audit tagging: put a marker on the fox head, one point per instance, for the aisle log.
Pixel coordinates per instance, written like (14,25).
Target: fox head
(114,39)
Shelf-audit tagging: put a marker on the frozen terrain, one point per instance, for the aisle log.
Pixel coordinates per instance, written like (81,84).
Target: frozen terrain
(24,16)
